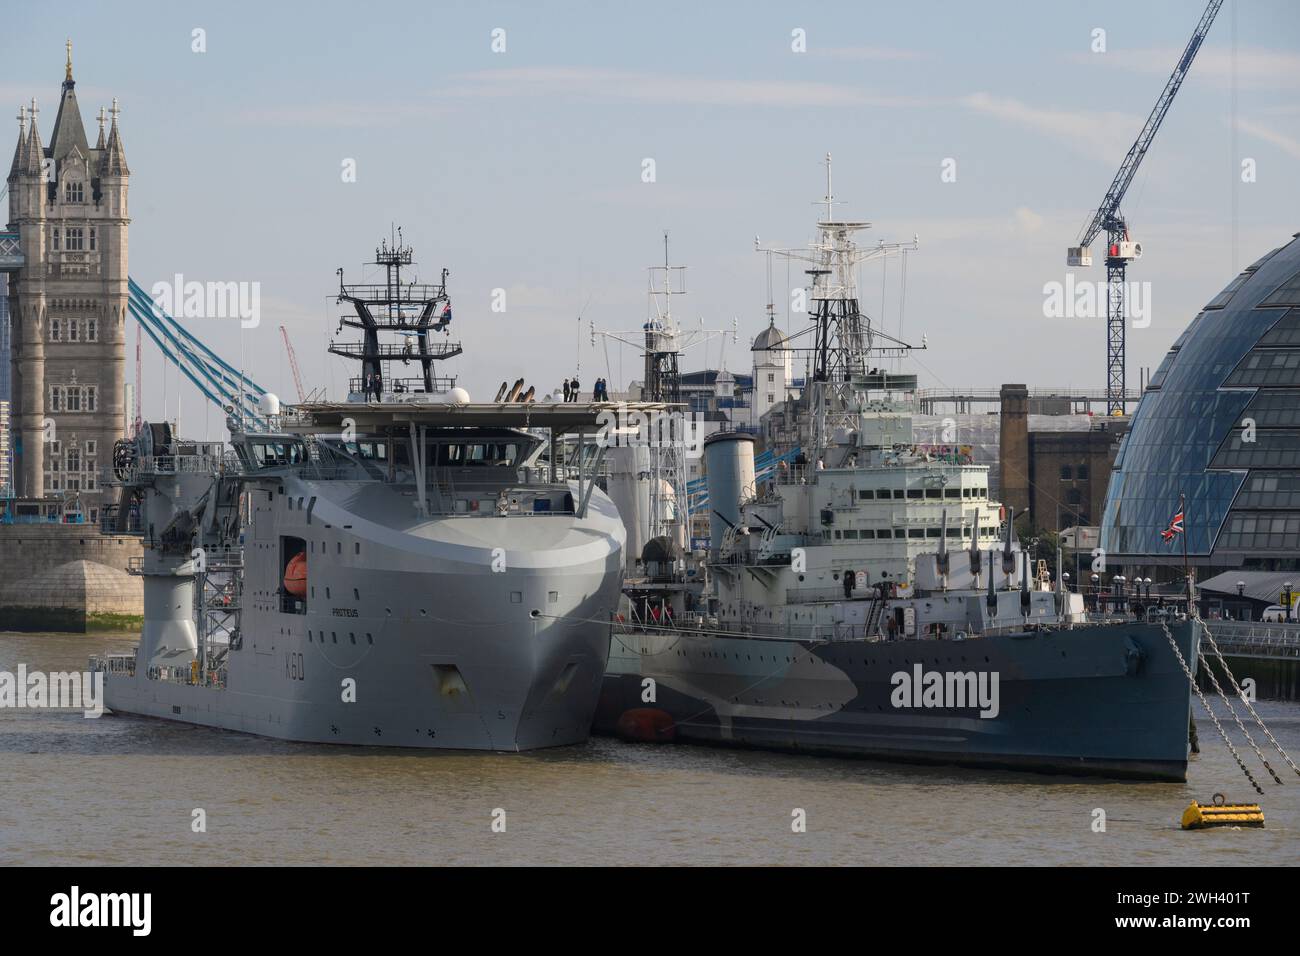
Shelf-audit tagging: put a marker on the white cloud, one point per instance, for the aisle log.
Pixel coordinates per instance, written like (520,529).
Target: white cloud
(1105,137)
(1257,68)
(1287,144)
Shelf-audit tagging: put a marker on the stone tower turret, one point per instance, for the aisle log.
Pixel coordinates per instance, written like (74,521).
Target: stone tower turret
(68,203)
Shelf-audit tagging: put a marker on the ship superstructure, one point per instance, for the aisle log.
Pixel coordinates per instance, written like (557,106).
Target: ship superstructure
(406,568)
(872,567)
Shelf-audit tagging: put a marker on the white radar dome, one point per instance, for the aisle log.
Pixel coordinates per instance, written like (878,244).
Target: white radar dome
(270,404)
(458,396)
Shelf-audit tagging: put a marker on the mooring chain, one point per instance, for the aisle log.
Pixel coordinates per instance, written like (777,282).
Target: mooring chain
(1240,726)
(1206,704)
(1246,700)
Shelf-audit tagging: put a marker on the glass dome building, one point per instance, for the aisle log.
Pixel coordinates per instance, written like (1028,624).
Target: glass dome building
(1220,423)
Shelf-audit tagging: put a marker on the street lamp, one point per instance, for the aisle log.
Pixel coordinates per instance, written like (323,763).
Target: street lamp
(1096,592)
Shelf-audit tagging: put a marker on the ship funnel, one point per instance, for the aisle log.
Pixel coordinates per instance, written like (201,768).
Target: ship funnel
(729,467)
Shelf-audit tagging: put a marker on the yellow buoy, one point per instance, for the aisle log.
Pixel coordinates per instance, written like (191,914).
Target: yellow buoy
(1222,814)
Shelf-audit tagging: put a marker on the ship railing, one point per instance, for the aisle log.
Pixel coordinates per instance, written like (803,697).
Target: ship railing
(108,520)
(404,386)
(390,352)
(178,464)
(1280,639)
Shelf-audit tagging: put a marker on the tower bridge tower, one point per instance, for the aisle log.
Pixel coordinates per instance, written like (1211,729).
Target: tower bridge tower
(67,301)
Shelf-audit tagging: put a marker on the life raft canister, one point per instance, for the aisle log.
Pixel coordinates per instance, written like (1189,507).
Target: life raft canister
(295,575)
(646,725)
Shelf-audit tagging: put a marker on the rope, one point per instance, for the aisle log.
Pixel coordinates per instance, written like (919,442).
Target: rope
(1240,726)
(1249,707)
(1204,703)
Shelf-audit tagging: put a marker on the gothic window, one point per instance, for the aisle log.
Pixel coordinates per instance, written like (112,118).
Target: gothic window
(92,332)
(57,232)
(92,238)
(56,398)
(74,191)
(53,482)
(1082,472)
(1066,473)
(90,476)
(74,483)
(771,377)
(74,330)
(74,243)
(72,399)
(91,444)
(90,397)
(56,330)
(74,459)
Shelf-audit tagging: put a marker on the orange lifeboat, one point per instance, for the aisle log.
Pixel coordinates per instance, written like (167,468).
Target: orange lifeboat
(295,576)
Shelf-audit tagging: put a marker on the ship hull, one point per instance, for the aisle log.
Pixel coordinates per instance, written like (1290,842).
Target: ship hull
(1108,700)
(475,633)
(525,687)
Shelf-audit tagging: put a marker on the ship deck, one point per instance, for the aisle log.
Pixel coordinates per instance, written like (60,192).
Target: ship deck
(560,417)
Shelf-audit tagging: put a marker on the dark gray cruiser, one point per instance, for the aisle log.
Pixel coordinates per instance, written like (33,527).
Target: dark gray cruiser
(872,600)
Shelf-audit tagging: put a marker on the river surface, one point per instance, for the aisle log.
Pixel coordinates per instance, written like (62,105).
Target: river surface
(123,790)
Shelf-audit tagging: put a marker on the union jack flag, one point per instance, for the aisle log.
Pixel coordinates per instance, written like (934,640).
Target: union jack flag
(1175,527)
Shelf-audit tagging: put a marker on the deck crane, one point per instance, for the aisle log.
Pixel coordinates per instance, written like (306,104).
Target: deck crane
(1120,248)
(293,365)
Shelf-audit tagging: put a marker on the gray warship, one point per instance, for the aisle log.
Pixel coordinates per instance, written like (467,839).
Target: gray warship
(404,568)
(871,599)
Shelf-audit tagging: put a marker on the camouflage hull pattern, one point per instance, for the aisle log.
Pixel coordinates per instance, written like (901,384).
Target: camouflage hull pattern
(1109,700)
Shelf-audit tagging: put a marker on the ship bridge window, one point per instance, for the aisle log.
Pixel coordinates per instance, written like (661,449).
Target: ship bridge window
(476,454)
(866,494)
(898,493)
(934,492)
(952,492)
(954,532)
(277,454)
(916,532)
(914,492)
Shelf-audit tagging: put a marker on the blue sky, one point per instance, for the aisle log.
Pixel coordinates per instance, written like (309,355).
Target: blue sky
(522,170)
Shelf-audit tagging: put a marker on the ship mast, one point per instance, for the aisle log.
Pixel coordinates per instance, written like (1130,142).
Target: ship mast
(844,337)
(662,342)
(408,311)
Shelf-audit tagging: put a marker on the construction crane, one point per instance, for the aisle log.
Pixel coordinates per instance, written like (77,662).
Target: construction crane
(1120,247)
(293,364)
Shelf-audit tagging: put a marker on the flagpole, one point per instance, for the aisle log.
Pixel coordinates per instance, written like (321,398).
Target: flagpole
(1187,573)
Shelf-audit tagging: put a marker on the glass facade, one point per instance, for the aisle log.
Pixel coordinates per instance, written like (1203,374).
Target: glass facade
(1219,423)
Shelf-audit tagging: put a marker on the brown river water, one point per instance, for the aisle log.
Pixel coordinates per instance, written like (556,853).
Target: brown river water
(123,790)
